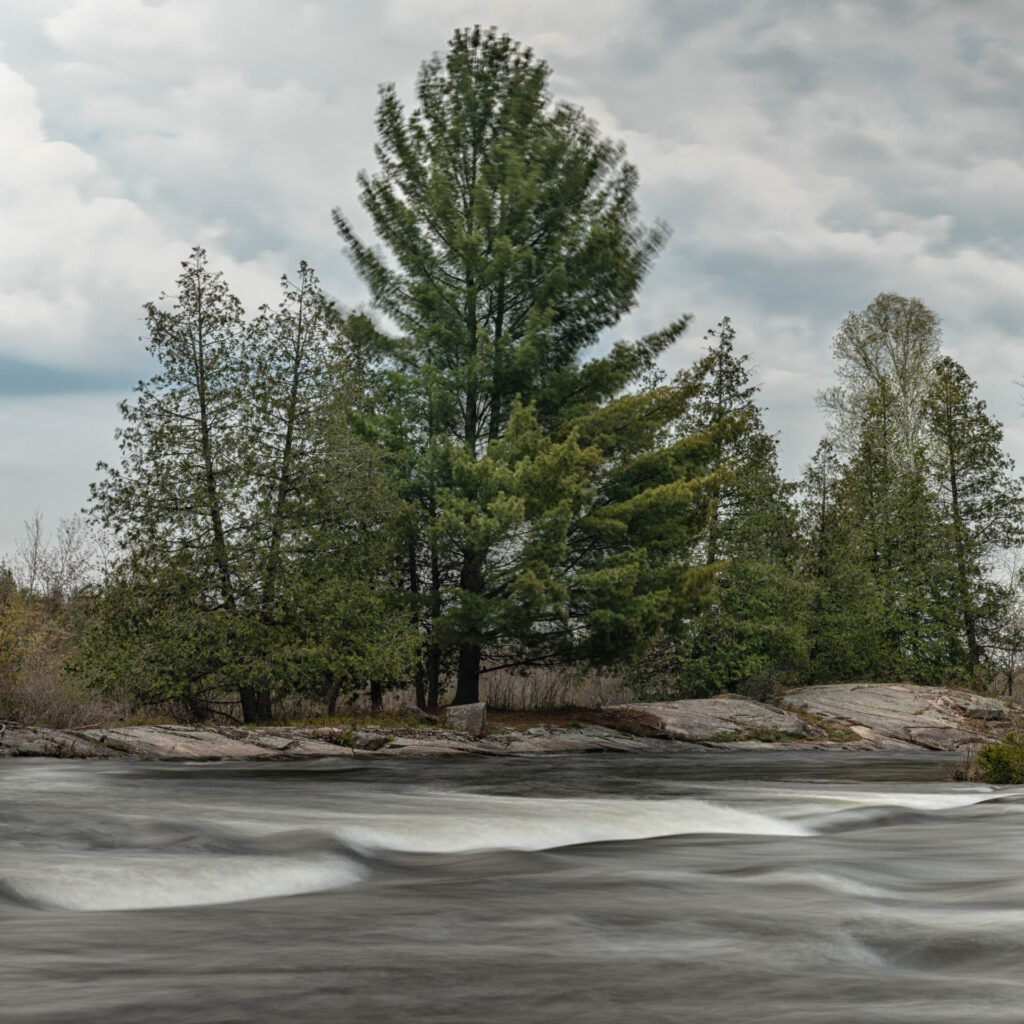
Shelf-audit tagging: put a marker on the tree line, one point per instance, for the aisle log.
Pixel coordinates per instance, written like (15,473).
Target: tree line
(326,503)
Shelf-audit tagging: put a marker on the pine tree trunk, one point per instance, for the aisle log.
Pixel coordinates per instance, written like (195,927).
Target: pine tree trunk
(332,698)
(471,580)
(467,690)
(433,677)
(263,707)
(419,684)
(250,711)
(256,708)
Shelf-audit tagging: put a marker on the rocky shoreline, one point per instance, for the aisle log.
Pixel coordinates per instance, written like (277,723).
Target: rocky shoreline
(849,716)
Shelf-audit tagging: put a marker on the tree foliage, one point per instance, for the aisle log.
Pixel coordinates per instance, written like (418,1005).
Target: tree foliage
(891,347)
(475,477)
(902,533)
(512,241)
(748,634)
(255,525)
(982,502)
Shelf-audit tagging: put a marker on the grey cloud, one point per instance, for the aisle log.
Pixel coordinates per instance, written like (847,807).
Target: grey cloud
(807,153)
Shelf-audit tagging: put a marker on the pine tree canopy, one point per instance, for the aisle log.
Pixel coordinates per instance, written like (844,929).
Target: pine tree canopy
(511,242)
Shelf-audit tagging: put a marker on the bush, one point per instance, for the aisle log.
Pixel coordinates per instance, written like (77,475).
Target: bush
(36,641)
(1002,763)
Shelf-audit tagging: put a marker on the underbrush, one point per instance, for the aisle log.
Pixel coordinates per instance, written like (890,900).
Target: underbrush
(551,689)
(999,763)
(35,686)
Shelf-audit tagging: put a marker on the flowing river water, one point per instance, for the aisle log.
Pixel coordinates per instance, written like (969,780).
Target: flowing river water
(796,887)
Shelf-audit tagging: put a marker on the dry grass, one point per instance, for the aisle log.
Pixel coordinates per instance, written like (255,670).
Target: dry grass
(544,689)
(551,689)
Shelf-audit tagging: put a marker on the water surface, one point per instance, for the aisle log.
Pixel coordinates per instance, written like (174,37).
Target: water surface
(700,887)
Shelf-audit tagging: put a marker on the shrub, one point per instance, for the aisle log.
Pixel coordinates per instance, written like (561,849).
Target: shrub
(1002,763)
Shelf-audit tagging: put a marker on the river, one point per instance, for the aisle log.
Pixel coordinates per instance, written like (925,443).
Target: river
(797,887)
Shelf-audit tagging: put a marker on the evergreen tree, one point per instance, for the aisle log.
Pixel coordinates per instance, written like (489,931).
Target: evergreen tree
(749,635)
(903,584)
(843,617)
(898,531)
(877,560)
(253,524)
(513,241)
(982,502)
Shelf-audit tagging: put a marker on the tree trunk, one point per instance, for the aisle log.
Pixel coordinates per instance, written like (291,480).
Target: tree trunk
(376,698)
(420,685)
(471,581)
(433,677)
(263,707)
(467,690)
(433,651)
(250,710)
(332,698)
(256,709)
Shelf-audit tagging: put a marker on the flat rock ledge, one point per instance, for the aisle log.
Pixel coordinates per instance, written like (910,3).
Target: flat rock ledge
(851,716)
(899,716)
(722,719)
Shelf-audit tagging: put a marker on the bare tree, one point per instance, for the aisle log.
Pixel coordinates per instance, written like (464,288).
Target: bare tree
(890,347)
(30,554)
(58,567)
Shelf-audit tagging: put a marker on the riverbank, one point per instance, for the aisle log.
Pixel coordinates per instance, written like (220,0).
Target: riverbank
(850,716)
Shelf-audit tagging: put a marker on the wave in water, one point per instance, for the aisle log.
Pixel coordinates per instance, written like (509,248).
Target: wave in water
(136,877)
(465,823)
(135,882)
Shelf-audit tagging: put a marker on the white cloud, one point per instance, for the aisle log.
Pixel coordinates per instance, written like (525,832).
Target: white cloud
(807,155)
(132,33)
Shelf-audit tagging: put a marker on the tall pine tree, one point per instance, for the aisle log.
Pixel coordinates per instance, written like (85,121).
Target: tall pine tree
(512,242)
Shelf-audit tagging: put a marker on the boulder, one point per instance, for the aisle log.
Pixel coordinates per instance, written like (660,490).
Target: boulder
(28,741)
(585,739)
(433,745)
(713,719)
(369,739)
(468,718)
(414,711)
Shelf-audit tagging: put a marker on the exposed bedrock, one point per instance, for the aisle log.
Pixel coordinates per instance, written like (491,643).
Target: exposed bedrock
(715,719)
(865,716)
(897,715)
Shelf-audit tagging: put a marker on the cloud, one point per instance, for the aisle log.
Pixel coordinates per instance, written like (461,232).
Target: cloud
(807,154)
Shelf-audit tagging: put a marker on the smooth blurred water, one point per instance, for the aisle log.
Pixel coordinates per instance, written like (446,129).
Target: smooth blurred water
(699,887)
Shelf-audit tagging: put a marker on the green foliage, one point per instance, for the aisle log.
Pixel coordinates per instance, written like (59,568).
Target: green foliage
(749,633)
(1001,763)
(255,524)
(308,503)
(511,242)
(982,503)
(900,535)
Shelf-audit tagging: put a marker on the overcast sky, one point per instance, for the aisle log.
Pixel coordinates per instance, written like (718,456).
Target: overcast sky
(807,155)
